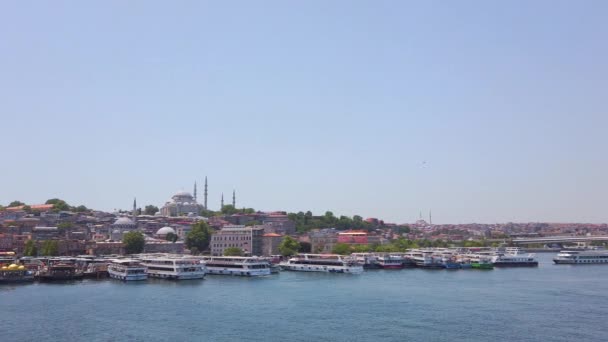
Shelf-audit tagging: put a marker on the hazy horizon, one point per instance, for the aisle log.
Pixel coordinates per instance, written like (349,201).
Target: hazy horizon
(481,112)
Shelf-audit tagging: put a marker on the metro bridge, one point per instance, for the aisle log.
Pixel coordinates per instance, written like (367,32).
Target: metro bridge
(559,239)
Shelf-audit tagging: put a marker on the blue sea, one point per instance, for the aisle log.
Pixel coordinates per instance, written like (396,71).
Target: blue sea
(548,303)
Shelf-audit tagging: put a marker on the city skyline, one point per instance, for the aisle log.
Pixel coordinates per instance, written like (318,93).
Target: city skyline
(479,112)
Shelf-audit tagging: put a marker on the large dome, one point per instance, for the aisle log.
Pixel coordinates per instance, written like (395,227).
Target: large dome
(165,231)
(182,194)
(124,221)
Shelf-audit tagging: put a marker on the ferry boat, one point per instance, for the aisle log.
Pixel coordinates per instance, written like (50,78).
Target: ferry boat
(14,273)
(389,261)
(424,259)
(127,270)
(368,260)
(239,266)
(60,271)
(591,257)
(332,263)
(173,268)
(513,258)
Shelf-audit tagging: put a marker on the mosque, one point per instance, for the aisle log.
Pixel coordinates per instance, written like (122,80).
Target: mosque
(184,203)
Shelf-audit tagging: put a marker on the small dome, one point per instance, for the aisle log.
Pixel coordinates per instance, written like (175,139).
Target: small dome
(116,231)
(124,221)
(165,231)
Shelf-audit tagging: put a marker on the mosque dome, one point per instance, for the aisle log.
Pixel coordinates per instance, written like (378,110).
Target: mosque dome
(165,231)
(124,221)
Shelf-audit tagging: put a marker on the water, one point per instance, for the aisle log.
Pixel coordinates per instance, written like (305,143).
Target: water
(551,302)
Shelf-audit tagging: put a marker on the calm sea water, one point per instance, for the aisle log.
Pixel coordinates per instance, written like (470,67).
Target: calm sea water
(548,303)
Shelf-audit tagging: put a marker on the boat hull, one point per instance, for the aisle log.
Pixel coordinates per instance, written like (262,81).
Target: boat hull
(516,264)
(239,272)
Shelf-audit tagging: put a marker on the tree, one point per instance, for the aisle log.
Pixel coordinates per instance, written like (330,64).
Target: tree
(27,209)
(199,236)
(81,209)
(228,209)
(150,210)
(134,242)
(171,237)
(30,248)
(16,204)
(341,248)
(2,208)
(233,251)
(50,248)
(289,246)
(58,204)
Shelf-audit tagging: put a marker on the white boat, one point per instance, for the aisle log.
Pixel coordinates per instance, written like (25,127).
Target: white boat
(239,266)
(174,268)
(513,257)
(127,270)
(582,257)
(332,263)
(424,258)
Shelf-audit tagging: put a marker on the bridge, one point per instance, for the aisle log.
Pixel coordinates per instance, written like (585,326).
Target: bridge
(560,239)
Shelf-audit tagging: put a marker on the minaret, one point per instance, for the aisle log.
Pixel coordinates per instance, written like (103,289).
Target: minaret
(205,194)
(234,199)
(194,191)
(134,212)
(430,217)
(222,207)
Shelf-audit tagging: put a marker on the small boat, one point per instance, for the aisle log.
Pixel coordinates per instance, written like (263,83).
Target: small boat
(482,265)
(389,261)
(14,273)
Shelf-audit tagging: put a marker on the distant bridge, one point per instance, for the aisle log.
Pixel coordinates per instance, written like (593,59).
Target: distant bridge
(559,239)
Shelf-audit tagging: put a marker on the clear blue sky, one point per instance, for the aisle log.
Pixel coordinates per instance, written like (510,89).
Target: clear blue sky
(480,110)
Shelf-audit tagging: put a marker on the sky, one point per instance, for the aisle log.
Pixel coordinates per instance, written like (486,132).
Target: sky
(481,111)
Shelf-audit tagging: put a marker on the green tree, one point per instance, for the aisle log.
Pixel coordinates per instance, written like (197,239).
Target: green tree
(2,208)
(150,210)
(228,209)
(199,237)
(361,249)
(81,209)
(341,248)
(171,237)
(58,204)
(233,251)
(134,242)
(289,246)
(15,204)
(27,209)
(30,248)
(50,248)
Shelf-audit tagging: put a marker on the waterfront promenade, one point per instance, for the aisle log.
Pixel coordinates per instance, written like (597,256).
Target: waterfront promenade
(517,304)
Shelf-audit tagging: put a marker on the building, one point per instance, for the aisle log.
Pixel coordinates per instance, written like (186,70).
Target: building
(248,239)
(182,203)
(323,240)
(270,244)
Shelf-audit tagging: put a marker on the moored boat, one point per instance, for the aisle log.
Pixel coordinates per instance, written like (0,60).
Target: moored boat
(331,263)
(127,270)
(14,273)
(238,266)
(60,271)
(176,268)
